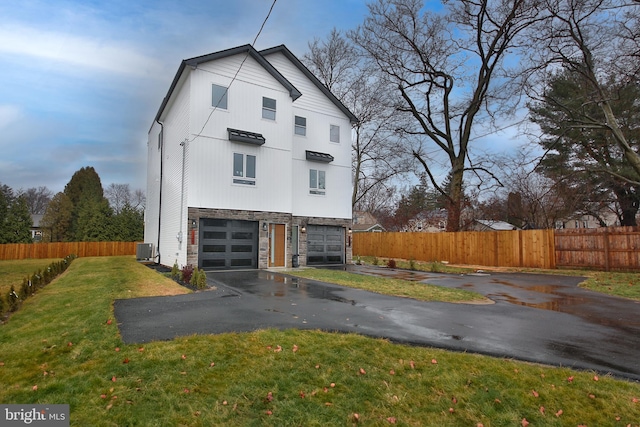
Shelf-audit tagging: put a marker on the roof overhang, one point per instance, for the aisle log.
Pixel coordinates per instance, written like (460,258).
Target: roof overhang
(318,157)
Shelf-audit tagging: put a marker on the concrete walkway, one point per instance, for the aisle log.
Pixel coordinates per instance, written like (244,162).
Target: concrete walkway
(538,318)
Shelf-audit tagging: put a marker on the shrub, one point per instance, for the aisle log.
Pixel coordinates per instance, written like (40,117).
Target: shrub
(375,261)
(175,271)
(391,263)
(187,272)
(412,264)
(199,279)
(13,299)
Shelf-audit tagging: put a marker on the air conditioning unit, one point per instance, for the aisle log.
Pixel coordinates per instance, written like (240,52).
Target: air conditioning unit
(144,251)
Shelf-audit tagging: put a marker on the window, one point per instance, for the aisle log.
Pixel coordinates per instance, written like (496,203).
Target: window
(316,182)
(268,108)
(219,96)
(301,126)
(244,169)
(334,134)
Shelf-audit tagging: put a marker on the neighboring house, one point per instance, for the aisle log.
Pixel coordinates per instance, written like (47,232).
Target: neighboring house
(491,225)
(365,222)
(249,165)
(427,222)
(588,221)
(36,231)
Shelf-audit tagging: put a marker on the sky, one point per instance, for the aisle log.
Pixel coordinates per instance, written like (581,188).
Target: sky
(82,80)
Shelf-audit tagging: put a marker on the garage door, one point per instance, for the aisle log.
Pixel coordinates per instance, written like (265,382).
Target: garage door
(325,244)
(227,244)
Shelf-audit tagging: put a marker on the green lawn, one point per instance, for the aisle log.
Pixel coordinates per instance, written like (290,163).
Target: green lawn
(13,272)
(61,347)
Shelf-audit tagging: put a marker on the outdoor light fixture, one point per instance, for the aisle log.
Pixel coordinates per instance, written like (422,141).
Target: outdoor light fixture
(304,229)
(264,226)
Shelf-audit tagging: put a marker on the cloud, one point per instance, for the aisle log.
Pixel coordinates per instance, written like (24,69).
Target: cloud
(107,56)
(9,114)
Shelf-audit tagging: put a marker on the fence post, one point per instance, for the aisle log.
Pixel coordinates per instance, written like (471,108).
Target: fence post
(607,261)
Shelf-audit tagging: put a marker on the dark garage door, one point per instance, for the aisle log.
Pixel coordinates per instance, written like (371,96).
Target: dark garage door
(325,244)
(226,244)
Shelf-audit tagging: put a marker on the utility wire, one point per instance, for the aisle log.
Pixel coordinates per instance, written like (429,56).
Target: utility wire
(237,72)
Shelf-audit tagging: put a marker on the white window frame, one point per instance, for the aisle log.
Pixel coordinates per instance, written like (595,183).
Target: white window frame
(334,133)
(317,182)
(224,97)
(269,113)
(242,176)
(299,129)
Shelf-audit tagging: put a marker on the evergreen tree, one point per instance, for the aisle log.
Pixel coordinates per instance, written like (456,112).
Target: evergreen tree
(56,221)
(128,224)
(91,213)
(4,208)
(18,222)
(94,221)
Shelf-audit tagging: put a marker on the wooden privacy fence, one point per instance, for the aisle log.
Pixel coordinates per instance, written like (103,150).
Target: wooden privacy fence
(602,248)
(529,248)
(14,251)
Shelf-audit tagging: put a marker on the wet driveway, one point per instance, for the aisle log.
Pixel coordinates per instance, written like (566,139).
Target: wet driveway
(538,318)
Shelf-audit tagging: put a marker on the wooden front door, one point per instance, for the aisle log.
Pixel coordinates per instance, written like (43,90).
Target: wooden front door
(276,245)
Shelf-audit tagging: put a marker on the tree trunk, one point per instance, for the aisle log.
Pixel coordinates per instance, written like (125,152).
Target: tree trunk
(454,201)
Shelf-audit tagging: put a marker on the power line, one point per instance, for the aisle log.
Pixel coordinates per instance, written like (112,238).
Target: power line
(238,71)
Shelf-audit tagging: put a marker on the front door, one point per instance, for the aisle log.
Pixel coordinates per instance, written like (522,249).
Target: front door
(276,245)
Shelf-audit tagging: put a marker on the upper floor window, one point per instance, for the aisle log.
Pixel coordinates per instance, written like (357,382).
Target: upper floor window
(334,133)
(268,108)
(219,96)
(300,125)
(317,181)
(244,169)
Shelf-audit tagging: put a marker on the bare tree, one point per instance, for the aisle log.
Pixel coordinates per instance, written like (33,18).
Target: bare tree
(376,159)
(600,41)
(444,69)
(37,199)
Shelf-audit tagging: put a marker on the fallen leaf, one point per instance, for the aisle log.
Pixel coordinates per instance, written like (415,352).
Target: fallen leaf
(69,344)
(524,422)
(108,321)
(212,364)
(497,401)
(317,366)
(224,403)
(269,412)
(269,397)
(184,357)
(109,406)
(326,390)
(434,361)
(451,410)
(278,349)
(392,420)
(295,348)
(328,404)
(103,396)
(141,349)
(34,388)
(479,425)
(592,396)
(45,373)
(186,390)
(392,372)
(635,400)
(412,364)
(542,410)
(355,418)
(454,400)
(560,412)
(362,371)
(332,385)
(302,394)
(570,379)
(117,348)
(535,393)
(1,363)
(595,378)
(618,418)
(113,378)
(126,360)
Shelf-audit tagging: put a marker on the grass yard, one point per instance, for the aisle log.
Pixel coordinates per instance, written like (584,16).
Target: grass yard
(63,346)
(621,284)
(14,271)
(395,287)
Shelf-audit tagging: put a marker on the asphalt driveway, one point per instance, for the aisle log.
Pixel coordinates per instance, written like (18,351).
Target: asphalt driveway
(537,318)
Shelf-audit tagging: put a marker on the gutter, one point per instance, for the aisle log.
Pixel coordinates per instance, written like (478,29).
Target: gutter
(160,191)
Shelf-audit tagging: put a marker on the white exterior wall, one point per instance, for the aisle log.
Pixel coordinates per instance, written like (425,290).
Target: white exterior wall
(211,154)
(320,113)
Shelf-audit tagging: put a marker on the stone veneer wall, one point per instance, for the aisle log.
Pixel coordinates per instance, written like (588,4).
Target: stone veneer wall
(195,214)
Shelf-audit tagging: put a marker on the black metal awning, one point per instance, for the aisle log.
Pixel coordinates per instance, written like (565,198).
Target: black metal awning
(245,136)
(319,157)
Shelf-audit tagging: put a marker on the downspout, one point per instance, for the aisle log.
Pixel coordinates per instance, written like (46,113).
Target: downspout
(160,191)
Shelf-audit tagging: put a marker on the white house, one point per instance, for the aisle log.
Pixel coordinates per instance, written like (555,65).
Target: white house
(249,165)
